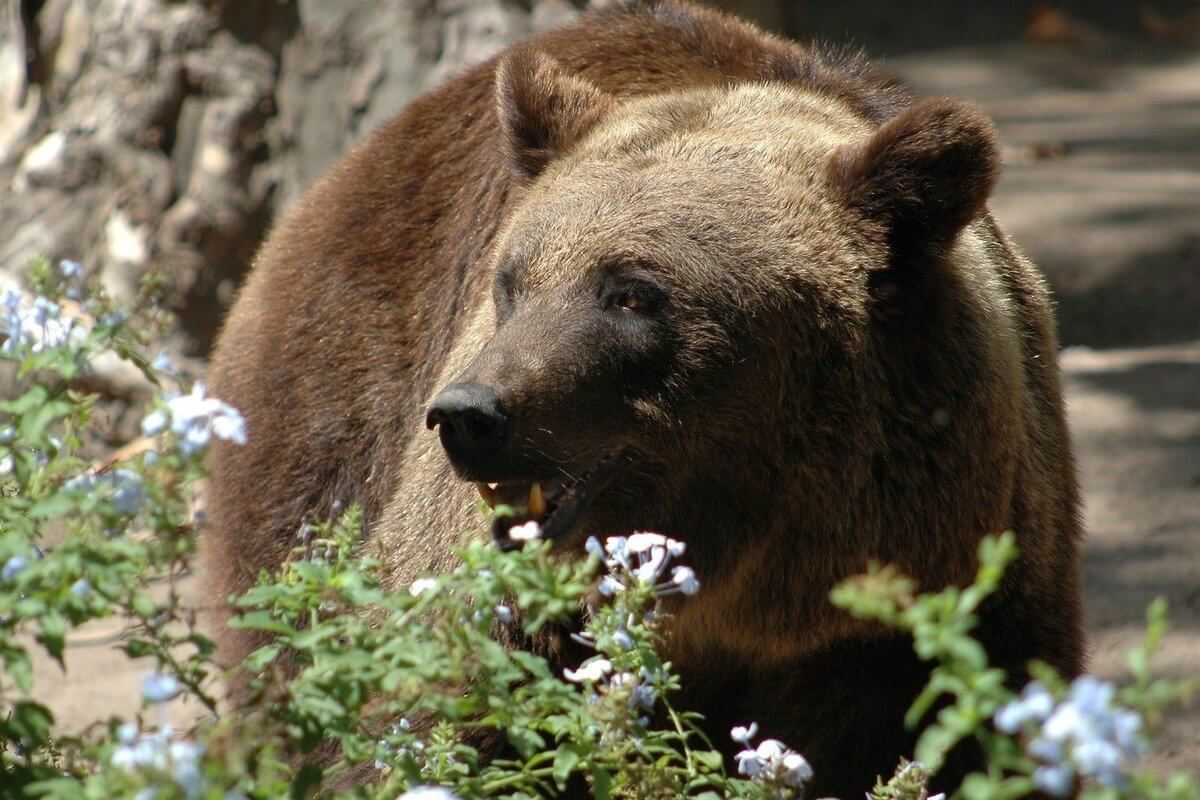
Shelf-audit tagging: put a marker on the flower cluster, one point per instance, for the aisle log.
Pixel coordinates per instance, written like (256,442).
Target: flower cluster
(124,487)
(771,762)
(195,419)
(35,325)
(155,754)
(1084,735)
(642,558)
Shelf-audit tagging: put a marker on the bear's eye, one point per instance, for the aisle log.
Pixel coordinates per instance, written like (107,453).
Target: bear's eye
(640,299)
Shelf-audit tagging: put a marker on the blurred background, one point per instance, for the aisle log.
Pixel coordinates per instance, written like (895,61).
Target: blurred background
(144,136)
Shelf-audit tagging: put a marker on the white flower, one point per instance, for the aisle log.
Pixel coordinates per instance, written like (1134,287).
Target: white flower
(589,672)
(428,793)
(160,688)
(744,733)
(524,533)
(652,564)
(154,423)
(6,466)
(749,763)
(685,579)
(639,543)
(39,326)
(610,586)
(770,749)
(771,762)
(196,419)
(422,585)
(796,770)
(503,613)
(644,557)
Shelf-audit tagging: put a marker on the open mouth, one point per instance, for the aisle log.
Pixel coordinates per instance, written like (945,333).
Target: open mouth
(555,505)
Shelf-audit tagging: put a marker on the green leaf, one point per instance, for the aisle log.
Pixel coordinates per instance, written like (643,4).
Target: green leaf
(566,758)
(525,740)
(30,723)
(55,505)
(601,784)
(53,635)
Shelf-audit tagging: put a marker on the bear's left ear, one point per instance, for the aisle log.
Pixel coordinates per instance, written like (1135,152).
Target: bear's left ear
(543,109)
(924,175)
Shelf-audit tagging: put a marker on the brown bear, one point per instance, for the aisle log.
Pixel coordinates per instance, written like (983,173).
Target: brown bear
(659,270)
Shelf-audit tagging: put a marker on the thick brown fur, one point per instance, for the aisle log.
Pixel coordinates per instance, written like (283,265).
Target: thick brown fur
(850,362)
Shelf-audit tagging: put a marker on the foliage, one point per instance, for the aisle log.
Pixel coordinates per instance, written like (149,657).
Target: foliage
(358,691)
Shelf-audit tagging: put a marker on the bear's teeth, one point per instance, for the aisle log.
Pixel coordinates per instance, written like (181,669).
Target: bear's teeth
(487,493)
(537,501)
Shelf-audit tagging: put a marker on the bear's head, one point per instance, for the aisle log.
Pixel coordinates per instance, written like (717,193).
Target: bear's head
(693,292)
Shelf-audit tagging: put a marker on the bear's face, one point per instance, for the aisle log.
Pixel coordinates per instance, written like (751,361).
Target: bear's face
(675,268)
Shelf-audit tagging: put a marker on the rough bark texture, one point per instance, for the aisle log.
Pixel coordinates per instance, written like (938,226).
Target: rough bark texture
(140,134)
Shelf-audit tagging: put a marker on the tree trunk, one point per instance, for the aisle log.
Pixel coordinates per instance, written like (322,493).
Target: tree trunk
(149,135)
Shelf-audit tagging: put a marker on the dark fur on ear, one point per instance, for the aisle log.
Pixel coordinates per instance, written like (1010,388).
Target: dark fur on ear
(543,109)
(924,175)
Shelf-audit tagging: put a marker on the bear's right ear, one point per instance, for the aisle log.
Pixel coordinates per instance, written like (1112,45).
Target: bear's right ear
(923,176)
(543,109)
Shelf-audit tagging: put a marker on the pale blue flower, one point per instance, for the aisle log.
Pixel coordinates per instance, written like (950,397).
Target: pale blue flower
(128,494)
(610,586)
(1084,735)
(158,687)
(185,767)
(7,434)
(81,589)
(163,363)
(71,270)
(13,567)
(1091,695)
(1056,781)
(1034,705)
(645,696)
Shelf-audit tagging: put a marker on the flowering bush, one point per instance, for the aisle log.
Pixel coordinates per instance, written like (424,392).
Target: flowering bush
(403,692)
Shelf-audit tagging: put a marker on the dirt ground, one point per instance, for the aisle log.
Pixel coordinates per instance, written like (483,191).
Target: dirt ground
(1102,189)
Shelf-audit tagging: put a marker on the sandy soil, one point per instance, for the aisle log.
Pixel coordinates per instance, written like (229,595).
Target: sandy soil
(1113,216)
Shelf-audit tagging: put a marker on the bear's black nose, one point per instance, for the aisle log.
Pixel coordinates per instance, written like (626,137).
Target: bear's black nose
(470,419)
